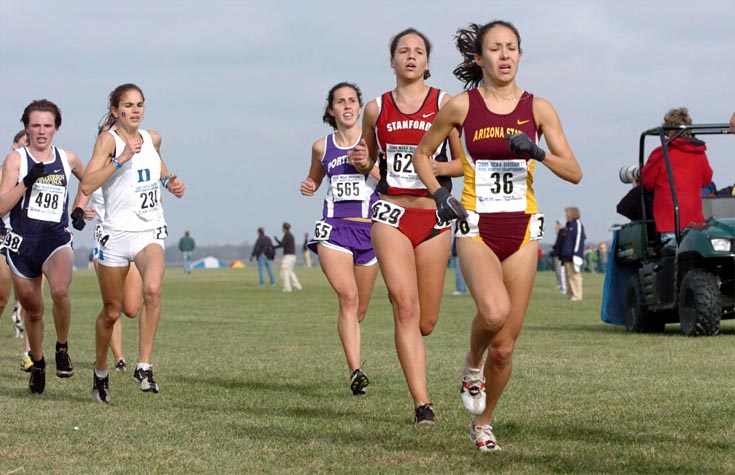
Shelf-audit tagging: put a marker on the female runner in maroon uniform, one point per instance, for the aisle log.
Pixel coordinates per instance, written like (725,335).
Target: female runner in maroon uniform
(498,247)
(411,245)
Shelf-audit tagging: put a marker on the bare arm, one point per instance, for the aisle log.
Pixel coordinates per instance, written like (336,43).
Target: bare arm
(10,190)
(448,121)
(172,181)
(100,167)
(560,158)
(316,170)
(452,168)
(77,169)
(365,155)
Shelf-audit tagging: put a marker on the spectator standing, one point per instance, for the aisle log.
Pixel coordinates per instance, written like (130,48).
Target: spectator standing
(590,258)
(305,250)
(264,252)
(561,276)
(288,243)
(572,253)
(603,253)
(186,246)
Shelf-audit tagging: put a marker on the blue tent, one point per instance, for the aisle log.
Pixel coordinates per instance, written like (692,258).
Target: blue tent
(209,262)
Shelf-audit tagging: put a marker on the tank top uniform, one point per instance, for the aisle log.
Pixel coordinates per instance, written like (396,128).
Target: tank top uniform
(498,185)
(132,195)
(350,194)
(37,224)
(133,216)
(398,133)
(97,200)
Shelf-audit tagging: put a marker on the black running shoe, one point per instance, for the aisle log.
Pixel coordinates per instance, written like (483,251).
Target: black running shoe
(37,383)
(101,389)
(64,368)
(121,366)
(425,416)
(145,378)
(358,382)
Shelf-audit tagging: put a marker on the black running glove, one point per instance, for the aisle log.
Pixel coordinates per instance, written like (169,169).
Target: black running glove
(448,207)
(35,172)
(521,145)
(77,218)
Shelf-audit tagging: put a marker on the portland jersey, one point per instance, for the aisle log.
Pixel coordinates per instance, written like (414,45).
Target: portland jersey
(43,208)
(132,195)
(398,134)
(350,194)
(495,179)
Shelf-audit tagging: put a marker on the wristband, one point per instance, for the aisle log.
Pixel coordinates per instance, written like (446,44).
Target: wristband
(115,163)
(164,180)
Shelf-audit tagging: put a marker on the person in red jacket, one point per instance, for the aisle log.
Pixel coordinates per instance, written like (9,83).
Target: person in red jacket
(691,172)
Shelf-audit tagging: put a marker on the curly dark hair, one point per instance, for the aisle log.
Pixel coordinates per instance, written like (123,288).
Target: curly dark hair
(469,43)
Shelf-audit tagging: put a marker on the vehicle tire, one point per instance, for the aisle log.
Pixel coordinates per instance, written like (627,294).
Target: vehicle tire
(699,304)
(638,318)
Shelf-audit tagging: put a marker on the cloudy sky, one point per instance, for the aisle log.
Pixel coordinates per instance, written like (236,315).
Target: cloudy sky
(237,88)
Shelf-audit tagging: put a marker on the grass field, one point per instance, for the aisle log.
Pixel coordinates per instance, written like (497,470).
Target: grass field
(254,381)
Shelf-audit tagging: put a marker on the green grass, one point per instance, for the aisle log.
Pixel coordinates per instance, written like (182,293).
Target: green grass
(254,381)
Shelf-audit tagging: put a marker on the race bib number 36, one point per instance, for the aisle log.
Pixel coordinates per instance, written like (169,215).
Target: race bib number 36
(500,185)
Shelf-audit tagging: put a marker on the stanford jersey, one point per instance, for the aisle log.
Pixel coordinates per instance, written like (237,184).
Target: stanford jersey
(398,134)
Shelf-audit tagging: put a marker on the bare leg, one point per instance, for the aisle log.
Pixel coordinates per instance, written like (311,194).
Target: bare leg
(151,264)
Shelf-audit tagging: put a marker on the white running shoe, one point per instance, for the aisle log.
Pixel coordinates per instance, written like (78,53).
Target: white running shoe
(473,391)
(483,438)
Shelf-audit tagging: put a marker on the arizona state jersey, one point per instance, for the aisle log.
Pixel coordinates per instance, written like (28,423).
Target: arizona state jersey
(495,179)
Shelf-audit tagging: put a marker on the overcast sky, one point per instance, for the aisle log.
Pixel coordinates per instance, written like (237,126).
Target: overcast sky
(237,89)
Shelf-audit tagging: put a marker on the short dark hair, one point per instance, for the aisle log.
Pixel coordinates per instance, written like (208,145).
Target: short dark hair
(42,105)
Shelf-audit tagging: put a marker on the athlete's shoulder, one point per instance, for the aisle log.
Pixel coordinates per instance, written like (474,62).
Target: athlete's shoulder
(12,158)
(319,145)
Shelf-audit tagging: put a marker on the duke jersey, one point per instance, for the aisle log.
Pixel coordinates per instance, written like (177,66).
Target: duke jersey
(132,195)
(350,194)
(496,180)
(43,207)
(398,134)
(98,201)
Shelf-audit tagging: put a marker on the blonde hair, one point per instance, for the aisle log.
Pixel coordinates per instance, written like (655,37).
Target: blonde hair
(573,212)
